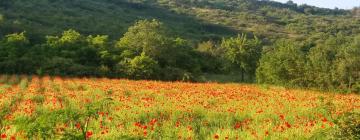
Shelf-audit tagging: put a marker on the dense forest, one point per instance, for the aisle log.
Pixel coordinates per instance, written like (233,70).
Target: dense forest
(258,41)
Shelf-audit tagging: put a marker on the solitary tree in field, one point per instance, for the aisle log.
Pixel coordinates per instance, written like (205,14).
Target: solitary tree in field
(243,52)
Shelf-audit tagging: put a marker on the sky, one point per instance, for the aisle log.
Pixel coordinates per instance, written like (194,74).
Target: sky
(343,4)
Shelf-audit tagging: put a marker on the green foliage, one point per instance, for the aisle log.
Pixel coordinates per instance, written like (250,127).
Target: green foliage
(70,37)
(347,67)
(39,99)
(147,49)
(41,125)
(243,53)
(144,37)
(349,126)
(142,67)
(17,40)
(282,65)
(44,123)
(211,60)
(4,110)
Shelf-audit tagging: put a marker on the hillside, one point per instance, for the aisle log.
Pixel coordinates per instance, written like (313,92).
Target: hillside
(195,19)
(49,17)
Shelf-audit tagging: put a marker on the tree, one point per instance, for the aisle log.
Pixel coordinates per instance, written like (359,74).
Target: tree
(70,37)
(207,48)
(210,57)
(347,66)
(283,65)
(150,38)
(1,18)
(321,62)
(142,67)
(99,41)
(146,36)
(12,48)
(242,52)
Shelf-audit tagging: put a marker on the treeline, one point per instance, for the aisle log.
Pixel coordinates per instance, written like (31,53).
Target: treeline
(254,5)
(148,51)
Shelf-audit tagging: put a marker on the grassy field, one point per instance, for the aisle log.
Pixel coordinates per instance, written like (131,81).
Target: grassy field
(90,108)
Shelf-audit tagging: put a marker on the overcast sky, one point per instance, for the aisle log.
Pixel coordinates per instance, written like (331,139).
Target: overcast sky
(343,4)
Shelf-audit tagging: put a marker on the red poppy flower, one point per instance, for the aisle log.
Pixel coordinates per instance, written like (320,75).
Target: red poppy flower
(3,136)
(78,125)
(324,120)
(282,117)
(237,126)
(144,127)
(216,136)
(89,134)
(288,124)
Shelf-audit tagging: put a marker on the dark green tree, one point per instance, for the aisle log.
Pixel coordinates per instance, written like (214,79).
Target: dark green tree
(282,65)
(13,47)
(347,67)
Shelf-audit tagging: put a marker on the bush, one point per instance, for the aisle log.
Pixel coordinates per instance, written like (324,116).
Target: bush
(142,67)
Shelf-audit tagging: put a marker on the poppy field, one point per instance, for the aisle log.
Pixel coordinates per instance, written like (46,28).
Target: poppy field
(98,108)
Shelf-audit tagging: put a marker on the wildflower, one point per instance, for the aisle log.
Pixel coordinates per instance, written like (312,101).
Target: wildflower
(145,133)
(288,124)
(177,124)
(216,136)
(190,128)
(137,124)
(89,134)
(153,121)
(237,126)
(78,125)
(282,117)
(324,120)
(3,136)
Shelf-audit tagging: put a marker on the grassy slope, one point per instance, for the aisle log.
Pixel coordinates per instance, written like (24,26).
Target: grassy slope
(201,21)
(43,17)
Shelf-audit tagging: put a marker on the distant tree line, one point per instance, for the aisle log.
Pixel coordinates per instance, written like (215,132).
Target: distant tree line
(148,51)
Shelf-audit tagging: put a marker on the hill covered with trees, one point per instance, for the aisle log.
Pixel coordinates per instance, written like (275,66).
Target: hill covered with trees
(191,19)
(263,41)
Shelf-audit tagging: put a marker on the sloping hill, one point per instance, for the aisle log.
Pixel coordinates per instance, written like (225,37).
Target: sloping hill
(44,17)
(191,19)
